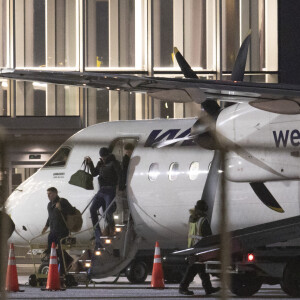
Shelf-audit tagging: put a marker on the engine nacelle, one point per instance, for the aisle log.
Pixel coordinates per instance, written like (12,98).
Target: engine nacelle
(262,146)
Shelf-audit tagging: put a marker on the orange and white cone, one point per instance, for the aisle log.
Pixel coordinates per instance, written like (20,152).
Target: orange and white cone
(12,284)
(53,280)
(157,280)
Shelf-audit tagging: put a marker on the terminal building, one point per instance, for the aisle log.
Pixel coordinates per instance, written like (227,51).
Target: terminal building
(128,37)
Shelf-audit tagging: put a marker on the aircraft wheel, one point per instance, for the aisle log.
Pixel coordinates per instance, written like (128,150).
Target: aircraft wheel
(32,280)
(137,272)
(245,285)
(173,276)
(70,280)
(291,278)
(44,268)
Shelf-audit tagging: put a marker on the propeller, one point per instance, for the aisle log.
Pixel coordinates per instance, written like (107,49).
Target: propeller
(202,132)
(265,196)
(210,106)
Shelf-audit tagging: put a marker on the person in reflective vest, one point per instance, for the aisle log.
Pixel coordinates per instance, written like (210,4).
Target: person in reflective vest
(198,227)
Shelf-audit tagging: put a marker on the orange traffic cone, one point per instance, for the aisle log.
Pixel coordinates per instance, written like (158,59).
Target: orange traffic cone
(157,280)
(12,284)
(53,280)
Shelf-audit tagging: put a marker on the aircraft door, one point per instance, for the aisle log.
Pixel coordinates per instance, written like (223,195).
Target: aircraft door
(123,148)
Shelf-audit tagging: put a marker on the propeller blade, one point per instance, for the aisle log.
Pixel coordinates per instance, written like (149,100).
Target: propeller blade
(265,196)
(184,66)
(211,184)
(241,59)
(210,106)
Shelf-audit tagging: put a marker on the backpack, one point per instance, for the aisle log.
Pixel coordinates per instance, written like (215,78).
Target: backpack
(74,220)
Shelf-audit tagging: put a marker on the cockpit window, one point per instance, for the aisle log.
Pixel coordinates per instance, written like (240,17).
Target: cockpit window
(59,158)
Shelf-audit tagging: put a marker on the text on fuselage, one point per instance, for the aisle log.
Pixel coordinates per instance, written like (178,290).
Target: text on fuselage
(282,137)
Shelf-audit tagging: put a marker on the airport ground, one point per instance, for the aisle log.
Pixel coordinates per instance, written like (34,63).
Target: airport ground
(122,289)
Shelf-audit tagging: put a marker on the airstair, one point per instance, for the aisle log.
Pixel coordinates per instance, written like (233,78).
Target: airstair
(119,248)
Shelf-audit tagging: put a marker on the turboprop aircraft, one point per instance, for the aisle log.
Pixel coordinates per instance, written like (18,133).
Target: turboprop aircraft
(168,171)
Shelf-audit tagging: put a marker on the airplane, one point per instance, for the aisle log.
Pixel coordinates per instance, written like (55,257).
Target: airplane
(168,171)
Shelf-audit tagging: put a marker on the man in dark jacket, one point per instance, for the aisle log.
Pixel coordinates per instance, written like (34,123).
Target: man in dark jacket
(108,169)
(58,209)
(198,227)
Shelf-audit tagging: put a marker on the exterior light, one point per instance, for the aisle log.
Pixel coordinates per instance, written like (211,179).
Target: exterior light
(250,257)
(108,241)
(98,252)
(118,229)
(87,264)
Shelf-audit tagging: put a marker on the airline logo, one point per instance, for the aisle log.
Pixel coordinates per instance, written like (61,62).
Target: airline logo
(282,138)
(157,135)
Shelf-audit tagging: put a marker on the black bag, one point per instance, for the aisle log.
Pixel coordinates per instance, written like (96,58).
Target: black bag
(82,178)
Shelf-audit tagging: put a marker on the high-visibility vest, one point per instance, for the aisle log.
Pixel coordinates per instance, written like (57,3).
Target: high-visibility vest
(195,232)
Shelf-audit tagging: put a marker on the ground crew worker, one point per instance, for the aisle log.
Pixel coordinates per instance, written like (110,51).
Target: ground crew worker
(58,209)
(108,169)
(198,227)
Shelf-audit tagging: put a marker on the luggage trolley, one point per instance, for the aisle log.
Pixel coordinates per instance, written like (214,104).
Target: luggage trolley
(39,278)
(79,272)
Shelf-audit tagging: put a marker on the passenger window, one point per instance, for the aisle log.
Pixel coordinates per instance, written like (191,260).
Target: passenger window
(194,170)
(153,172)
(173,171)
(59,158)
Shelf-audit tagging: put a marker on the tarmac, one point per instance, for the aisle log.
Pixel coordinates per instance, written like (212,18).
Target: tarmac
(122,289)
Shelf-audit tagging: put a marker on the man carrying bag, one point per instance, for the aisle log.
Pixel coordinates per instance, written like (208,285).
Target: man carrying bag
(58,211)
(108,171)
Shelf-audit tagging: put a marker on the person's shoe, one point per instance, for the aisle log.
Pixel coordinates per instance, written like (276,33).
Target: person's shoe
(212,290)
(185,292)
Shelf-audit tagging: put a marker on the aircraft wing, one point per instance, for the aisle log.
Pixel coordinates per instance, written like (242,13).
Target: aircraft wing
(246,239)
(278,98)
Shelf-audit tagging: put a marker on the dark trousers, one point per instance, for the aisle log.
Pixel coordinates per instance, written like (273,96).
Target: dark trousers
(102,199)
(52,237)
(191,272)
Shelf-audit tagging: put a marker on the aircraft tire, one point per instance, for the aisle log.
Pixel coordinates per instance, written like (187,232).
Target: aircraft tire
(44,267)
(32,280)
(291,278)
(245,285)
(137,272)
(70,280)
(173,276)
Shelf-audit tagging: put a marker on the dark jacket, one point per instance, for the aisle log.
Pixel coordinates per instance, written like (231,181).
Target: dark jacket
(108,172)
(55,219)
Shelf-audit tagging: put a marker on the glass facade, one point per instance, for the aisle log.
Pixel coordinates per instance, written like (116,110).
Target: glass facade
(46,33)
(134,36)
(41,99)
(4,5)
